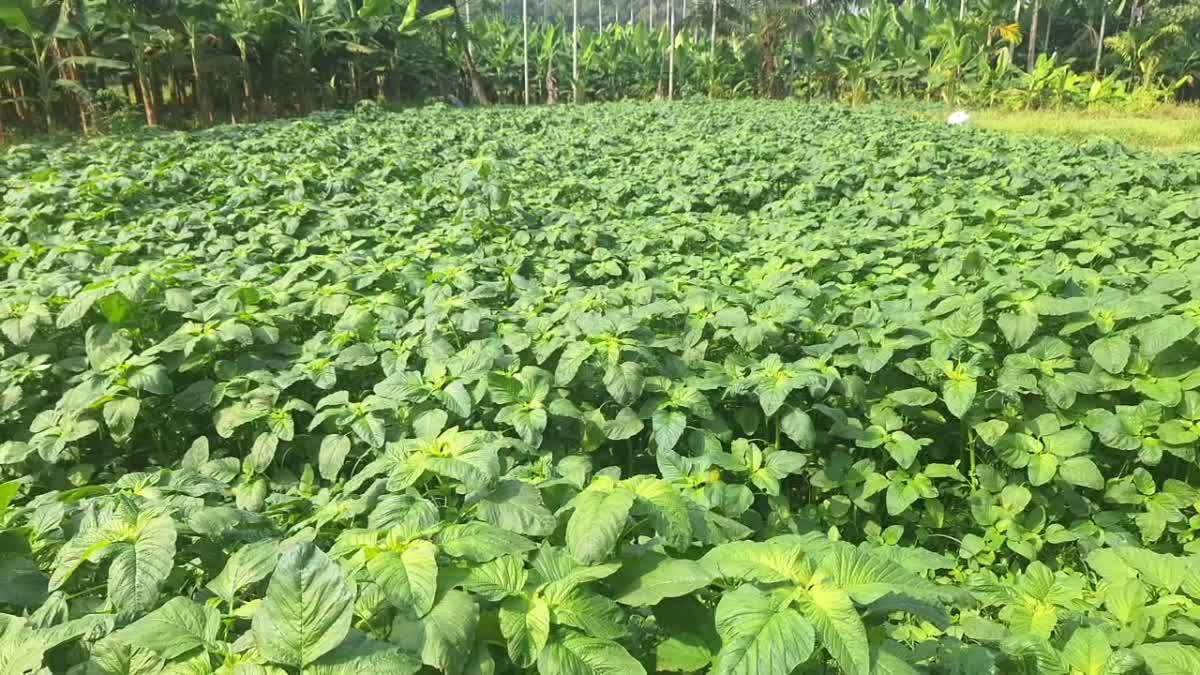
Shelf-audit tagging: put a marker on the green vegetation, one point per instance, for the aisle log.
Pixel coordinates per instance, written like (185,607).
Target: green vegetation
(1164,128)
(98,65)
(799,390)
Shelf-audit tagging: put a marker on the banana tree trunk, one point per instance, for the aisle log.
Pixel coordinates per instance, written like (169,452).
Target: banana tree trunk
(478,87)
(17,93)
(147,88)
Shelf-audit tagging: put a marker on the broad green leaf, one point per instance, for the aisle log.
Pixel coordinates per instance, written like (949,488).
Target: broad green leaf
(624,382)
(868,577)
(765,562)
(838,626)
(307,609)
(140,566)
(1081,471)
(516,506)
(360,655)
(497,579)
(480,542)
(1169,658)
(445,636)
(651,577)
(1112,353)
(1018,327)
(1087,651)
(798,426)
(249,564)
(1042,468)
(666,506)
(1157,335)
(576,654)
(668,427)
(119,416)
(596,524)
(959,395)
(760,633)
(525,624)
(409,578)
(334,449)
(624,426)
(590,612)
(174,629)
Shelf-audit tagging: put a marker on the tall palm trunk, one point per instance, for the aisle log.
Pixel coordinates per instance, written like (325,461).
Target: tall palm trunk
(1031,55)
(1100,42)
(199,90)
(247,82)
(470,45)
(525,44)
(600,14)
(671,50)
(1049,29)
(1012,49)
(575,51)
(712,33)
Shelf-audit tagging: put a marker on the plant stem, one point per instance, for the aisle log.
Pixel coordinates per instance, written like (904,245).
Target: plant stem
(971,448)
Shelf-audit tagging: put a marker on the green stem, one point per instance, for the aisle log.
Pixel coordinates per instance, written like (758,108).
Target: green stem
(971,448)
(87,591)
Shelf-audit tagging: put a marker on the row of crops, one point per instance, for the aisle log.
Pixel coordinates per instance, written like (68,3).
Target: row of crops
(733,387)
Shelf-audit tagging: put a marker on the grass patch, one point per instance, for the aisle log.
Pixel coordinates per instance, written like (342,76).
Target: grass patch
(1174,128)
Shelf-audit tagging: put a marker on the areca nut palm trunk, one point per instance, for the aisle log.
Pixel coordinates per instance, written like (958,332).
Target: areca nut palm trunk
(1031,54)
(712,32)
(671,50)
(525,44)
(574,51)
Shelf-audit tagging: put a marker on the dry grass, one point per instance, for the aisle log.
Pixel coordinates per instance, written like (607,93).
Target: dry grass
(1173,128)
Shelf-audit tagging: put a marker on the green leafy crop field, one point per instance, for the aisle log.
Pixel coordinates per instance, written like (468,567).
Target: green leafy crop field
(734,387)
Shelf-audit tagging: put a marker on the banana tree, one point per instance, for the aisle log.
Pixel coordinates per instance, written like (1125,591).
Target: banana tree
(245,20)
(1144,47)
(399,20)
(196,21)
(43,25)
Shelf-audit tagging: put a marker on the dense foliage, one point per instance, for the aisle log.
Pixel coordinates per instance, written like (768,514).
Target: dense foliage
(798,390)
(98,65)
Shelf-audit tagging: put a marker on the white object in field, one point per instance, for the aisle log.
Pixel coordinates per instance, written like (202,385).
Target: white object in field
(958,118)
